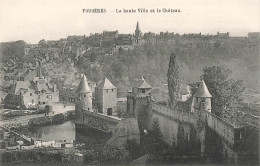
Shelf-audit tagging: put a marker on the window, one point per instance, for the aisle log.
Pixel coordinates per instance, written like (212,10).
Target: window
(32,101)
(43,102)
(30,94)
(112,90)
(84,95)
(107,90)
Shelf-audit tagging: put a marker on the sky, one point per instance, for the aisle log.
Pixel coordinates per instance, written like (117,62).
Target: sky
(33,20)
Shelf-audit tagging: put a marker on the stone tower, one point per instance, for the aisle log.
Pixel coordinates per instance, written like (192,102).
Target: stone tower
(106,98)
(138,33)
(201,99)
(83,101)
(139,103)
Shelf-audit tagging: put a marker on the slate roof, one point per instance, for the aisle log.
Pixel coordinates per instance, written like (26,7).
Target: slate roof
(41,85)
(2,94)
(202,90)
(141,83)
(29,74)
(19,86)
(83,86)
(20,72)
(106,84)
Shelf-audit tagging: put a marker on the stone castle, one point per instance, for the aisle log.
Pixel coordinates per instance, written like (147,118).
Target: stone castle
(142,110)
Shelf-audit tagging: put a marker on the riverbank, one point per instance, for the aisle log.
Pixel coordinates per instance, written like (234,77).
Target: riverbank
(51,119)
(66,156)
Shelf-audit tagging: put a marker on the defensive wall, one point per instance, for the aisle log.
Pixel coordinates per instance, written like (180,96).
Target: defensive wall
(99,121)
(228,132)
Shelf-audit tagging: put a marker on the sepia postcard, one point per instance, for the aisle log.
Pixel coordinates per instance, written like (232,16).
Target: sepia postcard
(135,83)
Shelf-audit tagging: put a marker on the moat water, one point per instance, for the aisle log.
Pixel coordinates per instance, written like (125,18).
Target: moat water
(68,131)
(64,131)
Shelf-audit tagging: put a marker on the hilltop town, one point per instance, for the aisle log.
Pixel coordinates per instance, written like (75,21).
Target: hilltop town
(117,84)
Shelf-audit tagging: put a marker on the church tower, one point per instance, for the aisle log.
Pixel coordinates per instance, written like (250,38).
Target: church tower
(138,33)
(83,100)
(201,99)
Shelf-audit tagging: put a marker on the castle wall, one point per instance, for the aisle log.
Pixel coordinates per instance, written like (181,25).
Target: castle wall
(99,121)
(223,129)
(169,128)
(184,116)
(99,99)
(126,129)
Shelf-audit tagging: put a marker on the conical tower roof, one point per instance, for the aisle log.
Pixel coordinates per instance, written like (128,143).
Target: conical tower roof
(202,90)
(106,84)
(83,86)
(145,84)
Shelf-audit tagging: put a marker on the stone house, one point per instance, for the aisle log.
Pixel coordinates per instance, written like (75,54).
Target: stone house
(29,94)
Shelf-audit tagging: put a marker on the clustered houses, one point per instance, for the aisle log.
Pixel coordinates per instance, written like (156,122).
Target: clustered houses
(30,91)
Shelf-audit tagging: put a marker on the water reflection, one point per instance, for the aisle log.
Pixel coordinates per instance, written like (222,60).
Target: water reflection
(65,131)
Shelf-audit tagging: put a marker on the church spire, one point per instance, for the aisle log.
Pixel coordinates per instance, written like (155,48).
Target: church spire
(137,26)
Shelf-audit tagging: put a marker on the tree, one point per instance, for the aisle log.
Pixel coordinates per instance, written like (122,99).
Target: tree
(12,50)
(173,80)
(93,57)
(155,132)
(42,43)
(155,142)
(226,92)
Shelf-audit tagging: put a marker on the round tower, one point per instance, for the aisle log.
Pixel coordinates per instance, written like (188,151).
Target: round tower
(201,99)
(83,99)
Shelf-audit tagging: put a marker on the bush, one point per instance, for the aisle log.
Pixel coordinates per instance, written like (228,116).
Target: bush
(58,118)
